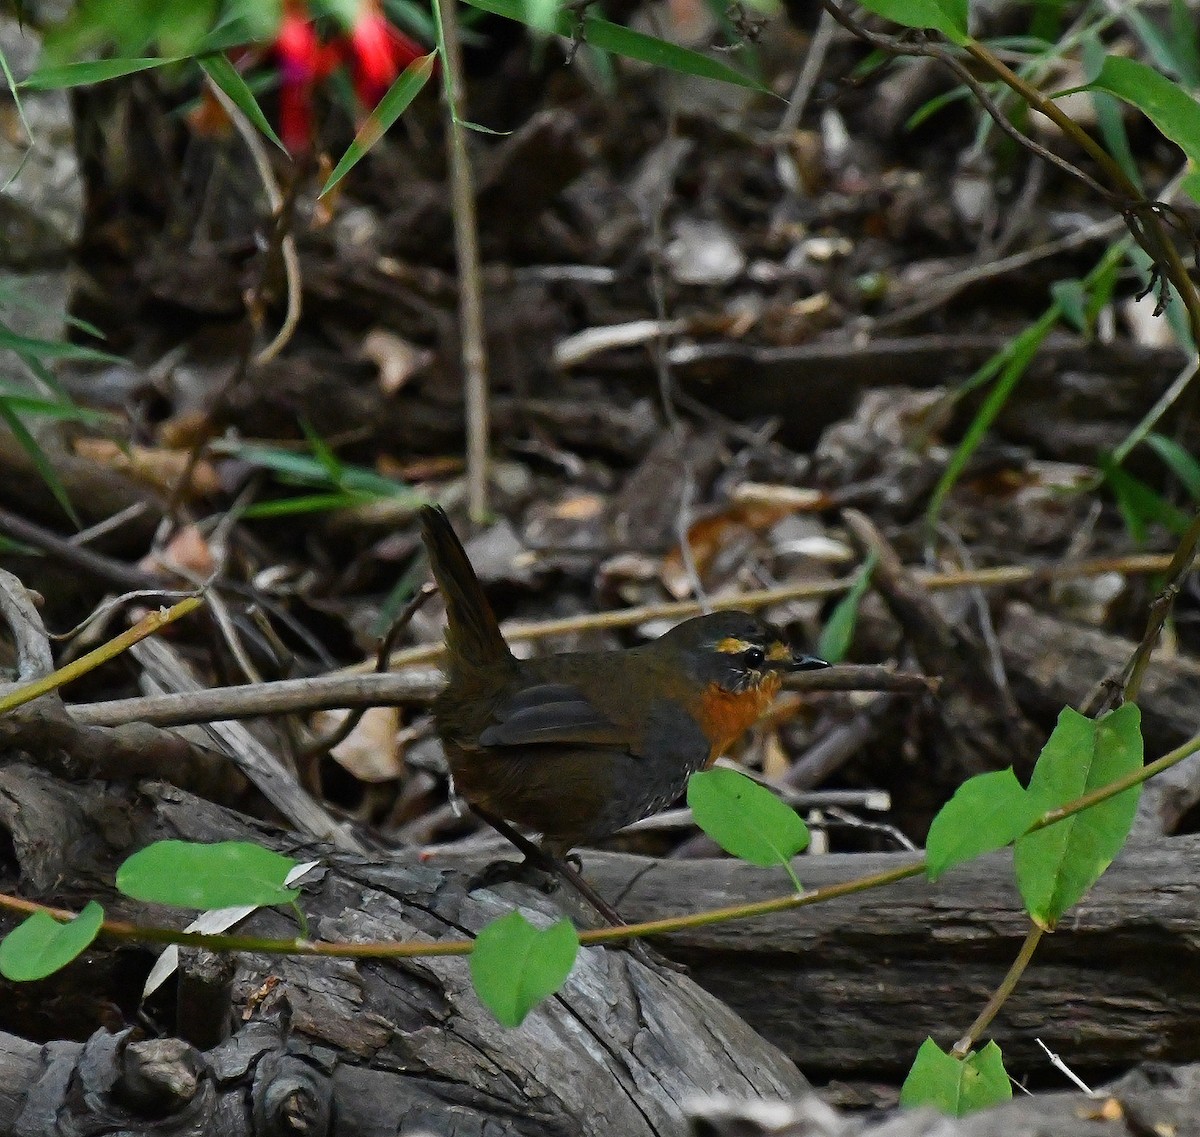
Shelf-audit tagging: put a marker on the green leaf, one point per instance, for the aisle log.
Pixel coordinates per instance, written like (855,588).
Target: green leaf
(1191,185)
(1057,865)
(227,874)
(227,77)
(625,41)
(1016,359)
(40,945)
(402,92)
(1140,506)
(307,470)
(514,966)
(1164,102)
(986,812)
(746,820)
(1182,464)
(88,71)
(1006,368)
(838,633)
(29,347)
(308,503)
(1184,44)
(635,45)
(1072,302)
(946,16)
(41,462)
(953,1086)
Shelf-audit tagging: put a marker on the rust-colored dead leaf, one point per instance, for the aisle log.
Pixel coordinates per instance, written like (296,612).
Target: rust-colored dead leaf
(188,552)
(186,430)
(419,469)
(711,535)
(157,467)
(578,507)
(1107,1110)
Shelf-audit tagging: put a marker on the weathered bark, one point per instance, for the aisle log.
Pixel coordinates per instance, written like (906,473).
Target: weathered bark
(851,987)
(1155,1099)
(395,1046)
(263,1085)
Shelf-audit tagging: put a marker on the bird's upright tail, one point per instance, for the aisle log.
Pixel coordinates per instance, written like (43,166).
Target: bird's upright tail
(472,633)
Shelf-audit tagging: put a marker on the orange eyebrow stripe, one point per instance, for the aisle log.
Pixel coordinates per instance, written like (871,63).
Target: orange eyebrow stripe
(731,645)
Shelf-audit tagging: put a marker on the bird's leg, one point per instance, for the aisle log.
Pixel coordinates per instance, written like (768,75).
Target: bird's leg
(566,867)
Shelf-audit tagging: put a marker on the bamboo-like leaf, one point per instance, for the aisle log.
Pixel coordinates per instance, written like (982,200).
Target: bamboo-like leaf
(402,92)
(228,78)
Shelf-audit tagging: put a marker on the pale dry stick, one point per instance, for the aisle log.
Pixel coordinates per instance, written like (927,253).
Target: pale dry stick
(287,243)
(277,783)
(941,290)
(806,81)
(999,576)
(1065,1070)
(291,696)
(115,521)
(466,250)
(656,206)
(351,688)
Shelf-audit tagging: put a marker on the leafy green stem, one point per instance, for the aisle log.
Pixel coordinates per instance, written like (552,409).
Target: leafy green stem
(1000,996)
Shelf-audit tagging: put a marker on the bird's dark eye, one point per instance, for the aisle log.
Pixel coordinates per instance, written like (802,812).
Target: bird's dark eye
(755,657)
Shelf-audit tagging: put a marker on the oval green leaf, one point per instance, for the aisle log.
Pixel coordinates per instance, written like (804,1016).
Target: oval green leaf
(946,16)
(1056,866)
(987,812)
(514,966)
(1163,102)
(40,945)
(956,1086)
(227,874)
(746,820)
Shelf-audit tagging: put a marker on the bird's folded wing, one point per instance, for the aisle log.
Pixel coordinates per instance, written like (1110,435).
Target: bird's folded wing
(551,712)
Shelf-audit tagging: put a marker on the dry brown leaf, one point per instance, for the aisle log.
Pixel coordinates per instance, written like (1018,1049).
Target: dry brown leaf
(370,751)
(711,535)
(578,507)
(188,551)
(775,760)
(157,467)
(397,359)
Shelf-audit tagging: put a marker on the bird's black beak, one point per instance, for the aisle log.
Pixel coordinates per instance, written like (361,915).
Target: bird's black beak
(802,662)
(785,659)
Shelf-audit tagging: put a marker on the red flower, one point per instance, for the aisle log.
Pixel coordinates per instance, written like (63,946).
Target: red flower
(299,53)
(375,51)
(378,53)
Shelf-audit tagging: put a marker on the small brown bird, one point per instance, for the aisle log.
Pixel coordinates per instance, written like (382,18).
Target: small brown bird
(578,745)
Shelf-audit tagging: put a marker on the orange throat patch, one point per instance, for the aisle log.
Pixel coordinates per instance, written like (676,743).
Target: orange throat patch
(725,716)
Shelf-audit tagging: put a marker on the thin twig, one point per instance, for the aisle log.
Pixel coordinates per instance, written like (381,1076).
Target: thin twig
(318,747)
(275,199)
(997,577)
(806,81)
(466,249)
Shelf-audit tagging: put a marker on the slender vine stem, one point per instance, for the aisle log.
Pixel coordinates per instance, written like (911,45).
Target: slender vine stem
(128,932)
(1000,996)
